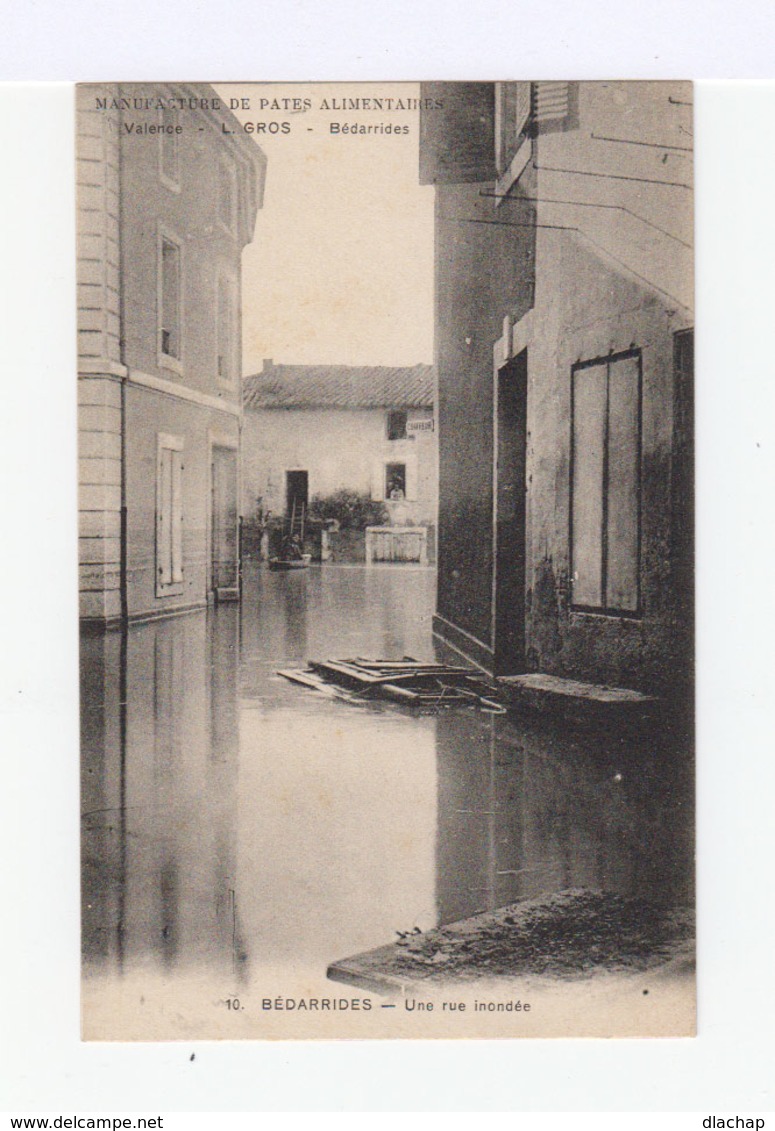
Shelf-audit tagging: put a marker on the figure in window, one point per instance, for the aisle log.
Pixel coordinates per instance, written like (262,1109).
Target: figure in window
(395,482)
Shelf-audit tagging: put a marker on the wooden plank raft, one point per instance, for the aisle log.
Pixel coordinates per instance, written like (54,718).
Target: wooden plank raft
(408,681)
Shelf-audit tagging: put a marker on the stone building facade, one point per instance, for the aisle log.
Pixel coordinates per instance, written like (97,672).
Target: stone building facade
(168,192)
(311,430)
(564,292)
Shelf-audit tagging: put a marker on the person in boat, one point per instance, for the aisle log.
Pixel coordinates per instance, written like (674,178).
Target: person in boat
(293,550)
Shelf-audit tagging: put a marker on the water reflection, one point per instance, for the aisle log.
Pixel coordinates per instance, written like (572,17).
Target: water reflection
(528,808)
(160,767)
(235,822)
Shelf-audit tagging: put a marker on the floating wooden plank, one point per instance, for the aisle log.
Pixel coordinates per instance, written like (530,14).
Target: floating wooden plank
(408,665)
(408,682)
(312,681)
(359,675)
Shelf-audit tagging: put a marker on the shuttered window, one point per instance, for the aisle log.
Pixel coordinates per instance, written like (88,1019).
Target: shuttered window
(551,103)
(169,515)
(605,484)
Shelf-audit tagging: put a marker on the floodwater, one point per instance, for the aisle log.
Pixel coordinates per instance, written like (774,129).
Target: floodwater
(235,823)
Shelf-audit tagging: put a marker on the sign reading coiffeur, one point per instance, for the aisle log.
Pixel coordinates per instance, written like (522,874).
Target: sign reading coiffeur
(414,426)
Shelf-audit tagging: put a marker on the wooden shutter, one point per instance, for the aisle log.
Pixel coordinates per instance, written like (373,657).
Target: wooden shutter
(169,513)
(606,485)
(513,104)
(176,509)
(522,107)
(164,518)
(622,503)
(589,412)
(551,104)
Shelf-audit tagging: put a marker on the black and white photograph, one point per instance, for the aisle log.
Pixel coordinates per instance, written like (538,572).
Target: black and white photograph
(386,559)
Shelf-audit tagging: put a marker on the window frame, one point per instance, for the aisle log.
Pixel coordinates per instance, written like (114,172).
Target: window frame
(604,609)
(229,170)
(173,552)
(391,414)
(229,281)
(170,182)
(387,473)
(168,360)
(510,168)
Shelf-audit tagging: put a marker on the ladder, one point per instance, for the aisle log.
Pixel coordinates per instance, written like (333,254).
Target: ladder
(297,520)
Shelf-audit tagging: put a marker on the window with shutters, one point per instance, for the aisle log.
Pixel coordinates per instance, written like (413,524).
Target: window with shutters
(605,484)
(522,111)
(169,515)
(555,106)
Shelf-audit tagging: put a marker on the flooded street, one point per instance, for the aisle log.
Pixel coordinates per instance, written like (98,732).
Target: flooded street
(236,826)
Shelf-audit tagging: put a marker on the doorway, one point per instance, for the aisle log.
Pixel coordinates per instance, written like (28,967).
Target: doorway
(224,532)
(509,526)
(296,492)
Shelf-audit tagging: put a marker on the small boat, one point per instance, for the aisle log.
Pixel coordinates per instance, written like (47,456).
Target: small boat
(279,564)
(293,542)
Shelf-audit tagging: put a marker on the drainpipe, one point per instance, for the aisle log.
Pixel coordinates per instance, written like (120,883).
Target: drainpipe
(123,693)
(123,529)
(123,592)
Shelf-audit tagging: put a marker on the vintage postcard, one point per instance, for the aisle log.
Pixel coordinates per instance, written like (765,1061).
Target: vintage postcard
(386,559)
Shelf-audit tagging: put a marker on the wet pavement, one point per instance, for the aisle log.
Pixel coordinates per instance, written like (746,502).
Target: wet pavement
(235,823)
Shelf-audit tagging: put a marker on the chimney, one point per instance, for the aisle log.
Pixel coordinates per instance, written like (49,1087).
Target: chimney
(267,364)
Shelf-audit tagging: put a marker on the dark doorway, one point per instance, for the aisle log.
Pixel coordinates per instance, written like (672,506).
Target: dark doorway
(511,445)
(296,491)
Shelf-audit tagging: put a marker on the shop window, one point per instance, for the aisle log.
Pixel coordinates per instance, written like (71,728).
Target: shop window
(169,515)
(169,329)
(396,425)
(605,484)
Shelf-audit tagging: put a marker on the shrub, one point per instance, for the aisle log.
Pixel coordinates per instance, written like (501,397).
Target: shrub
(352,510)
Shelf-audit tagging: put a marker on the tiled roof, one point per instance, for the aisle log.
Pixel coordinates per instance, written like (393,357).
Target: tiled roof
(339,386)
